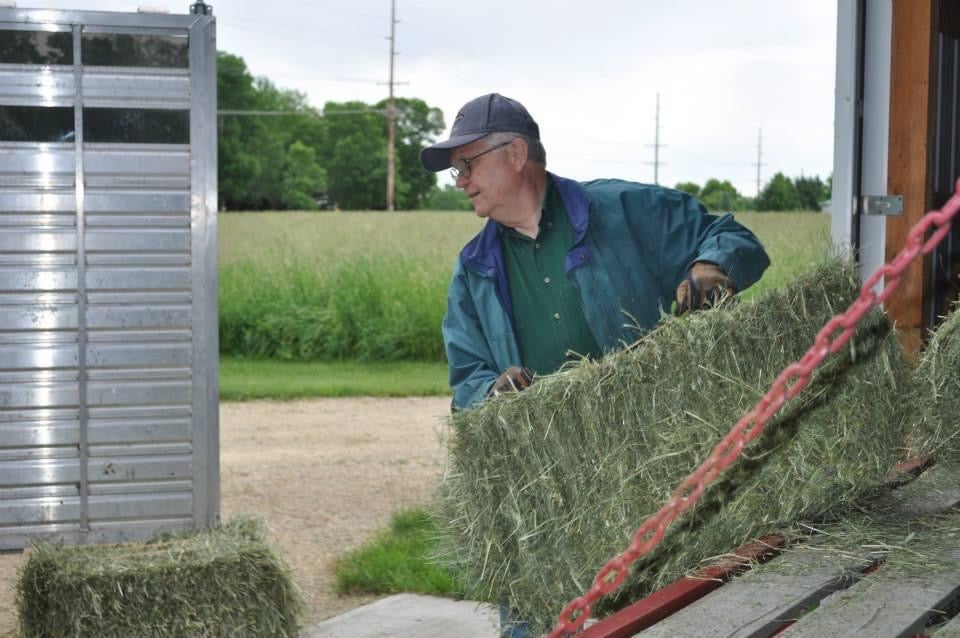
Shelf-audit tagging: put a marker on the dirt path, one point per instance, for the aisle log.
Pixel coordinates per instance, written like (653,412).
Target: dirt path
(324,474)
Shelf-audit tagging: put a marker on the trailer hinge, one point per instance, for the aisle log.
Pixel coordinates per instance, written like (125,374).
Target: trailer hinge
(882,205)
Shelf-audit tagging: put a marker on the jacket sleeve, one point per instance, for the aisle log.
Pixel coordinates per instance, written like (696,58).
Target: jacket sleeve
(471,363)
(689,233)
(731,246)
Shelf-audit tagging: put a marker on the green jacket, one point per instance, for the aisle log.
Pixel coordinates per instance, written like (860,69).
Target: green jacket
(633,245)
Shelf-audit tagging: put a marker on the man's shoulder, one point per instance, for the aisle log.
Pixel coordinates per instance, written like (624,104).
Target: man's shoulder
(624,192)
(614,186)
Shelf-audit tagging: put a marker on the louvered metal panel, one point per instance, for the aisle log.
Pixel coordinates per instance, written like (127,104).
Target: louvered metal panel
(154,88)
(14,200)
(27,85)
(40,240)
(108,344)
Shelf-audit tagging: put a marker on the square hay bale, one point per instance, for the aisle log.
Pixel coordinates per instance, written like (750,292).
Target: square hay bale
(221,582)
(937,395)
(545,486)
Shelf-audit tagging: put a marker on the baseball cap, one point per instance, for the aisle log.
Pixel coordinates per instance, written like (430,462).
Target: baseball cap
(477,118)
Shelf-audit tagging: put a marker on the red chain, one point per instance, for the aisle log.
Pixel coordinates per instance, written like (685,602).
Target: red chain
(790,382)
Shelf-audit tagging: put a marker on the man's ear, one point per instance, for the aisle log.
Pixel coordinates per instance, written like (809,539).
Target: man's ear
(517,153)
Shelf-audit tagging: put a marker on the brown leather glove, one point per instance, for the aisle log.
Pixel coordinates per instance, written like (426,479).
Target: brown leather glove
(513,379)
(705,285)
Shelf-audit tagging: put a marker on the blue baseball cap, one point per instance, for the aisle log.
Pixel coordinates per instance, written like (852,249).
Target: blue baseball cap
(492,113)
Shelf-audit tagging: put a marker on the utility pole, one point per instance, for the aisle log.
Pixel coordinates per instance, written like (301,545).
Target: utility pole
(656,145)
(759,157)
(391,111)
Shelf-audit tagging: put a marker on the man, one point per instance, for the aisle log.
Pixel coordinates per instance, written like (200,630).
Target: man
(566,269)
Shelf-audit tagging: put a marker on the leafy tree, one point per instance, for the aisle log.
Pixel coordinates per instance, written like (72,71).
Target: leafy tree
(811,192)
(691,188)
(779,194)
(260,157)
(302,178)
(355,156)
(717,195)
(448,198)
(416,125)
(239,165)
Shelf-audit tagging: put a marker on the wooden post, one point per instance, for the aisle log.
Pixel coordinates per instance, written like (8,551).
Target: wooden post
(909,153)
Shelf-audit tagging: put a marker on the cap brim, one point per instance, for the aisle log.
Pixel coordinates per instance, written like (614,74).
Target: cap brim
(437,157)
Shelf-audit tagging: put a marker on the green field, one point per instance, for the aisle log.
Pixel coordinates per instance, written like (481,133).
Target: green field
(246,379)
(371,286)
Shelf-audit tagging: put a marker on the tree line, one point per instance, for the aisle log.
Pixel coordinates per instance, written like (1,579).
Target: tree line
(779,194)
(288,155)
(278,152)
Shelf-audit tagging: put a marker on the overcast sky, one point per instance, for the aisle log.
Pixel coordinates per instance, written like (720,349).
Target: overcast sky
(588,70)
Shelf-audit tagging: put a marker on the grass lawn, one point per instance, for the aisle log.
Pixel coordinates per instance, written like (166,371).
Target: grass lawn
(245,379)
(397,560)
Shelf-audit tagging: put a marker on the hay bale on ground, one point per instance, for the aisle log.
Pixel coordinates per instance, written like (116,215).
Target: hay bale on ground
(222,582)
(545,486)
(937,396)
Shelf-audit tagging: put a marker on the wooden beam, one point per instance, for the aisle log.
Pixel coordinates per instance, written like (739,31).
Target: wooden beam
(909,151)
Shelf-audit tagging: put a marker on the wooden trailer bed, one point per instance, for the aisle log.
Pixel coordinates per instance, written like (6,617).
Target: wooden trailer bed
(804,592)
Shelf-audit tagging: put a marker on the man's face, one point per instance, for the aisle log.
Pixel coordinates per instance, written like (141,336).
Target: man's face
(489,181)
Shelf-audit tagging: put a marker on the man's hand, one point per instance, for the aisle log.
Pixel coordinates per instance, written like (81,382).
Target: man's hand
(704,286)
(513,379)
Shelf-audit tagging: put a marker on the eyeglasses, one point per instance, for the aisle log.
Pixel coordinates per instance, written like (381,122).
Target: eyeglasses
(464,165)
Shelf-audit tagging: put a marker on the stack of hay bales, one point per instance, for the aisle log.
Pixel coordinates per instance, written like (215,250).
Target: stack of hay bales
(223,582)
(937,397)
(545,486)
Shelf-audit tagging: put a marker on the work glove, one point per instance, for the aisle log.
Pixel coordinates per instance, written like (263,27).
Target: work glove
(705,285)
(513,379)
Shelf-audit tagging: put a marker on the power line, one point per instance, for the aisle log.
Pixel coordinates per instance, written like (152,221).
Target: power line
(293,76)
(296,35)
(337,8)
(286,30)
(255,113)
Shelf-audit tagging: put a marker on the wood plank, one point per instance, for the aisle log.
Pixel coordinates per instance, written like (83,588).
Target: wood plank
(763,601)
(880,607)
(908,153)
(950,630)
(684,590)
(933,492)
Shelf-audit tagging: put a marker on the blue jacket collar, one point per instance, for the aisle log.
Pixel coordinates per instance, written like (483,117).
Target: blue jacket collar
(484,255)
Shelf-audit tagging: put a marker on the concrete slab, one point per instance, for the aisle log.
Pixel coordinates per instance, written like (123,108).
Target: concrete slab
(411,615)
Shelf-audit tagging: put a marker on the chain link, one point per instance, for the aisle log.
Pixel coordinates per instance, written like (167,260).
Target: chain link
(831,338)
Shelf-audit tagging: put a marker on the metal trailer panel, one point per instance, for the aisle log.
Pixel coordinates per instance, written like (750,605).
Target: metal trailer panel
(108,316)
(861,128)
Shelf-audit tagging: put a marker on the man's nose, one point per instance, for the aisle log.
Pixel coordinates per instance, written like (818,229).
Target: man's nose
(462,180)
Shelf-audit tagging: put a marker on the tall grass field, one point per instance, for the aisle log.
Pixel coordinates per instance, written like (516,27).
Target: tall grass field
(371,286)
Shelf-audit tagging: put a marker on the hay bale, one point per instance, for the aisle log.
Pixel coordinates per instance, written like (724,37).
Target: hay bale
(221,582)
(545,486)
(937,395)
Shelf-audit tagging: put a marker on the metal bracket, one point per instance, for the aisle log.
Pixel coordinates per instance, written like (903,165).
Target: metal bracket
(882,205)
